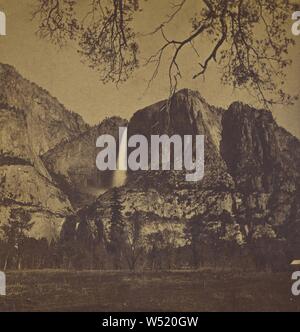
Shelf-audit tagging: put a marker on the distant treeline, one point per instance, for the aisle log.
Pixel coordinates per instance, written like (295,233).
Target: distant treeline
(39,254)
(210,241)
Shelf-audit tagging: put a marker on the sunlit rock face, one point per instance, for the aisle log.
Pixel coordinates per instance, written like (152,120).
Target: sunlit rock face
(48,122)
(47,155)
(31,123)
(22,186)
(73,164)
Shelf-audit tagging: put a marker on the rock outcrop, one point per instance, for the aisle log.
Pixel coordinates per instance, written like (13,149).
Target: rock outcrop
(48,122)
(31,123)
(264,161)
(47,155)
(73,164)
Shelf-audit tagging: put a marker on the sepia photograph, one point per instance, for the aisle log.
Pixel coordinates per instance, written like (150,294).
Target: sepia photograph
(149,157)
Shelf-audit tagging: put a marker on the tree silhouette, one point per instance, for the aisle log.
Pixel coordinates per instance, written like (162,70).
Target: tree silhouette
(249,40)
(117,229)
(195,228)
(14,233)
(135,246)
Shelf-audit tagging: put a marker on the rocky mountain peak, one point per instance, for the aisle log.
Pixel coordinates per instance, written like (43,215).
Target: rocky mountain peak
(47,120)
(251,180)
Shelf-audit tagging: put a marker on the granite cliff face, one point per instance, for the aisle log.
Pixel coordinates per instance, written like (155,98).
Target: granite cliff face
(32,122)
(163,200)
(187,114)
(264,161)
(251,176)
(73,164)
(48,122)
(47,155)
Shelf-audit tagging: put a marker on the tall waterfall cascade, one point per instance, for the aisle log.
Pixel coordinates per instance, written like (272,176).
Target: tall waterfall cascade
(120,175)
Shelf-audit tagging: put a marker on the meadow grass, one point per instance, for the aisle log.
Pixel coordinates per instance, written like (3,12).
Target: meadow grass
(203,290)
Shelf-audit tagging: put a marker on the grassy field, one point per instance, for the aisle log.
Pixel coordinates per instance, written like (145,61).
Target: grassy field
(205,290)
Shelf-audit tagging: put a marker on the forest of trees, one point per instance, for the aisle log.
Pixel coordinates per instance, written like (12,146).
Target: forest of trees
(211,241)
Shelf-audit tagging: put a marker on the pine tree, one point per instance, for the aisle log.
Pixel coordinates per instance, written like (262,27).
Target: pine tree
(134,247)
(117,229)
(195,232)
(14,232)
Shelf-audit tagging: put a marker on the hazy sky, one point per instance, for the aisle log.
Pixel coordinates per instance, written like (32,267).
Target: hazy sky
(63,74)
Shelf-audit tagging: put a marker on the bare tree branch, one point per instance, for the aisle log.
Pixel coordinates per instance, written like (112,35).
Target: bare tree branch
(250,42)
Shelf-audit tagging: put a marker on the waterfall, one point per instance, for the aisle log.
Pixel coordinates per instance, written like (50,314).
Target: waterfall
(120,174)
